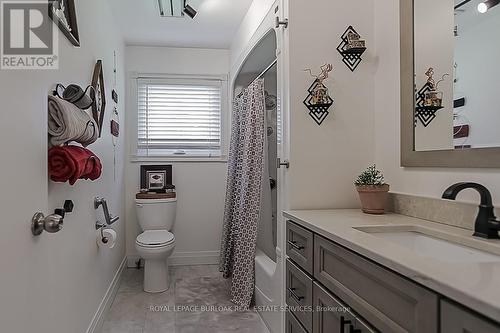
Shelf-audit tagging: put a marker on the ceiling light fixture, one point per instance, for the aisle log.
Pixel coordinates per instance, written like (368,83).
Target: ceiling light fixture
(190,11)
(483,7)
(176,8)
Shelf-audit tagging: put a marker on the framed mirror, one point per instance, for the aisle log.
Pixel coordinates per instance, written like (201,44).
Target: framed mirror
(450,95)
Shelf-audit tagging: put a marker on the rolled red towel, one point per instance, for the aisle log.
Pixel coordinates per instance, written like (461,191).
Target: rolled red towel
(93,169)
(70,163)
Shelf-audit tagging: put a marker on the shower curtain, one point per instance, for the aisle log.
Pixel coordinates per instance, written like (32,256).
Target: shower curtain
(243,193)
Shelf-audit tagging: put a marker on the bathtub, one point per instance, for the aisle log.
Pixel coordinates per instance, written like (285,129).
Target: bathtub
(268,289)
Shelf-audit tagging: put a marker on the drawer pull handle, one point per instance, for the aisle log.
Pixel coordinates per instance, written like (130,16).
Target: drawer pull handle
(344,322)
(295,246)
(294,295)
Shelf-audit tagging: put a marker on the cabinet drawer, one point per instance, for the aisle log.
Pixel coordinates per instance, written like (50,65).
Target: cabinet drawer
(455,319)
(293,325)
(386,300)
(299,294)
(299,246)
(330,315)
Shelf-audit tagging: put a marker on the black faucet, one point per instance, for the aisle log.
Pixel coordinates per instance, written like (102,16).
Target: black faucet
(486,225)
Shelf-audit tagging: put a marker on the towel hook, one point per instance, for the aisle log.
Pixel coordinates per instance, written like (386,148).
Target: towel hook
(109,219)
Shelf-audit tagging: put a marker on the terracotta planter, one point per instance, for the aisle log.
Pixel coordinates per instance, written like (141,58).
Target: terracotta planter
(373,198)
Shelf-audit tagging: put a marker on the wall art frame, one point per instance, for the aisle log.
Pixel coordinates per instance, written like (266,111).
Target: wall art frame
(351,48)
(98,94)
(63,13)
(318,100)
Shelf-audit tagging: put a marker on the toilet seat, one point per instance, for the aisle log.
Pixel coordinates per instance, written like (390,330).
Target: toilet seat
(155,238)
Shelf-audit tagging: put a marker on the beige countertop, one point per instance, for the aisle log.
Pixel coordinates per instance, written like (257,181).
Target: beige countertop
(475,285)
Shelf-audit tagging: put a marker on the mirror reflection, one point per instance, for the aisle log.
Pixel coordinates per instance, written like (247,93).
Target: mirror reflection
(457,90)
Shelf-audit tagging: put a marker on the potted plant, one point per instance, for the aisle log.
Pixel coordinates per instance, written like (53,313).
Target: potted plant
(372,190)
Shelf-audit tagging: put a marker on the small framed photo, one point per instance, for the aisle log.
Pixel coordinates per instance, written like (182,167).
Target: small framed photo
(155,177)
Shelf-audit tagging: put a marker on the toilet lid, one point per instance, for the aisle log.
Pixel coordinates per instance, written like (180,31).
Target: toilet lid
(155,238)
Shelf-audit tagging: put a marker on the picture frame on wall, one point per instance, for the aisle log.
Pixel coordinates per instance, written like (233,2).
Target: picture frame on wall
(63,13)
(98,95)
(155,178)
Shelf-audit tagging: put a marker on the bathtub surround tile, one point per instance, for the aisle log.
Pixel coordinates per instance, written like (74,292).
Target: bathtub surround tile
(450,212)
(134,311)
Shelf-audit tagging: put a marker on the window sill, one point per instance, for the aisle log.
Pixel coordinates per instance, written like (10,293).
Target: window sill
(180,159)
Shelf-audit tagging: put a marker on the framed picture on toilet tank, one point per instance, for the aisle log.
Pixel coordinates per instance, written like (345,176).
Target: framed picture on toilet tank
(155,177)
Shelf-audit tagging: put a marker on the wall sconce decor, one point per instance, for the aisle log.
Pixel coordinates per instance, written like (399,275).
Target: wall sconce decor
(319,101)
(351,48)
(428,99)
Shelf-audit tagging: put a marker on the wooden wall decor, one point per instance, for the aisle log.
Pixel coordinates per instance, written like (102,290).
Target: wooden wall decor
(98,95)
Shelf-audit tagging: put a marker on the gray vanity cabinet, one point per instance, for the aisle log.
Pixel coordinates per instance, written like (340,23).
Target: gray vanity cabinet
(293,325)
(299,297)
(455,319)
(335,319)
(334,316)
(300,246)
(387,301)
(351,294)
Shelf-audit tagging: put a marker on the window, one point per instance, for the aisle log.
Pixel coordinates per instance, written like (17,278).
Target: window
(179,117)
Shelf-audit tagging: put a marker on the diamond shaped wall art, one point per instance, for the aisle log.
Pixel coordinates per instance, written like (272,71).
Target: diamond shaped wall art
(351,48)
(428,100)
(319,101)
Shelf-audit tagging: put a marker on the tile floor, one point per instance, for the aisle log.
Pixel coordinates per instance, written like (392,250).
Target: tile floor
(134,311)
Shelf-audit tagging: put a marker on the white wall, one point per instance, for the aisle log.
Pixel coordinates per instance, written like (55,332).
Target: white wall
(324,160)
(421,181)
(200,186)
(55,283)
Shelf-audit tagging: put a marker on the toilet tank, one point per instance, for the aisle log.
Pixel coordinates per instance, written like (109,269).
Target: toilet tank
(156,214)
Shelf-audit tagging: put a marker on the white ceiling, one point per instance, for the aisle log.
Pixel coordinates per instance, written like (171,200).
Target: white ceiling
(214,26)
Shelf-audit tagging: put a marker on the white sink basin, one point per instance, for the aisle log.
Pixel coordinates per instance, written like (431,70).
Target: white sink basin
(437,245)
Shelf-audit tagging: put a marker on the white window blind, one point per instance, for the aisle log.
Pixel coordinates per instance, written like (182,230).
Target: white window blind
(179,117)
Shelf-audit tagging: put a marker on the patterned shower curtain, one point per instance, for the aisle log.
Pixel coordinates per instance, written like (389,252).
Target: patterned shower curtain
(243,193)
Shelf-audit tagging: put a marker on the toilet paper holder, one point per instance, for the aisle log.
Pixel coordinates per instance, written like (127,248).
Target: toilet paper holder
(101,202)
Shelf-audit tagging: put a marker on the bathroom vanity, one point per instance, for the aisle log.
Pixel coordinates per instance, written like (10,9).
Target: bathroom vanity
(351,272)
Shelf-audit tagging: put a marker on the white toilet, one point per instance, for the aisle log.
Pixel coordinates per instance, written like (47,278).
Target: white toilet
(156,218)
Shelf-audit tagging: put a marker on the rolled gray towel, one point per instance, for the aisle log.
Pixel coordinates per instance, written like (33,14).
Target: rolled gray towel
(69,123)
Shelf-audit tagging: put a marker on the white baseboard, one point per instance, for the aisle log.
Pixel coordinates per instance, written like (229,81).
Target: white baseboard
(184,258)
(96,323)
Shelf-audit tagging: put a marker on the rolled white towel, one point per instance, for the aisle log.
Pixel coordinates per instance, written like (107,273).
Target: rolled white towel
(69,123)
